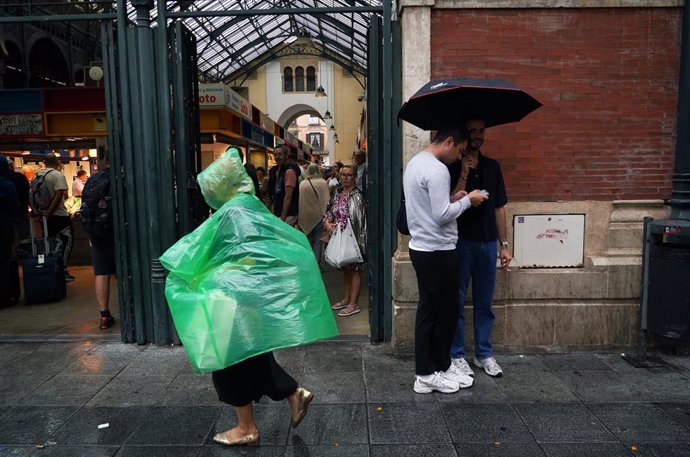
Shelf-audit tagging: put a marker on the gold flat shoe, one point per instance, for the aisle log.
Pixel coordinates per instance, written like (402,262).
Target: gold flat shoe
(304,397)
(247,440)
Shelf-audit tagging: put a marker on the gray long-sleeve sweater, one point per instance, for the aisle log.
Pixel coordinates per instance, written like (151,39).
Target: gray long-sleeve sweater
(430,214)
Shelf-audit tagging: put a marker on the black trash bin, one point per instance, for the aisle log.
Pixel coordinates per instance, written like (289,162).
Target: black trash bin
(668,287)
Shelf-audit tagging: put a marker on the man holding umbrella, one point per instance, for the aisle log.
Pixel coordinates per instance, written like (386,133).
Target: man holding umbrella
(481,238)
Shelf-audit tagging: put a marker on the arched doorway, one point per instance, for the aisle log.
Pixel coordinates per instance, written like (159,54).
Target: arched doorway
(47,65)
(11,56)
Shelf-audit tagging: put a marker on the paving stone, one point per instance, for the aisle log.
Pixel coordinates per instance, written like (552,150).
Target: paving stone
(393,387)
(14,388)
(531,449)
(508,362)
(523,384)
(16,451)
(484,390)
(169,425)
(485,423)
(43,363)
(291,359)
(657,385)
(72,451)
(331,359)
(190,389)
(328,425)
(683,363)
(99,363)
(161,451)
(272,421)
(226,451)
(414,450)
(82,428)
(66,390)
(564,422)
(11,352)
(338,387)
(617,363)
(382,358)
(164,361)
(131,391)
(641,422)
(597,385)
(570,362)
(679,411)
(662,450)
(588,449)
(327,451)
(32,424)
(400,423)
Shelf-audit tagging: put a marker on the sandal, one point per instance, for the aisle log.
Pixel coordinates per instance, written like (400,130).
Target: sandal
(339,305)
(352,310)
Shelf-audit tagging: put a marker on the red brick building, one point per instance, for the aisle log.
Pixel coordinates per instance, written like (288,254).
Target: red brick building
(602,146)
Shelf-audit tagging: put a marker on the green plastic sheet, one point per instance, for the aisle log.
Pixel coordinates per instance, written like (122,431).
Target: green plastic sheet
(244,282)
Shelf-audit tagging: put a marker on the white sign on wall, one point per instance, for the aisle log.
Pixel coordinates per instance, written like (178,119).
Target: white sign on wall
(549,240)
(216,95)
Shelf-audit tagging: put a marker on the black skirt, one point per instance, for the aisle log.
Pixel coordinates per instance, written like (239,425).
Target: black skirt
(251,379)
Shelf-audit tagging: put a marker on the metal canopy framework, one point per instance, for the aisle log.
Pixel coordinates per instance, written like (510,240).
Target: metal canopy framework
(233,34)
(227,45)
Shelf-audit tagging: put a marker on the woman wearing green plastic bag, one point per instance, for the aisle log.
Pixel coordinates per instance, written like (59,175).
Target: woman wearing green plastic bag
(241,285)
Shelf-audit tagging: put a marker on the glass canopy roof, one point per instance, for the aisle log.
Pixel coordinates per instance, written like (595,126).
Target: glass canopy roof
(227,46)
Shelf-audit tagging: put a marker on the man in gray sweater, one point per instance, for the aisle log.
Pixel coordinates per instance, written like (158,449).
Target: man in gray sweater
(431,217)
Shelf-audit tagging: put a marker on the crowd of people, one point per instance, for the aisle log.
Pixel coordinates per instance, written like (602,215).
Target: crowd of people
(34,194)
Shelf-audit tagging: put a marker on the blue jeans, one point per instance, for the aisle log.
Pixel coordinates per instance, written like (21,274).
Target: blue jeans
(477,261)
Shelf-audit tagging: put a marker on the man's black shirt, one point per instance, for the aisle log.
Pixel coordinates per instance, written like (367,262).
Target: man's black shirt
(479,223)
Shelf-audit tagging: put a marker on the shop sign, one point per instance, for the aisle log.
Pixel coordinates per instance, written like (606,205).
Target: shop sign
(266,123)
(21,124)
(238,103)
(211,95)
(99,124)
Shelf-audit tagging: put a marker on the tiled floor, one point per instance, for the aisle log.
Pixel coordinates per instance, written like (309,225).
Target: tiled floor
(53,397)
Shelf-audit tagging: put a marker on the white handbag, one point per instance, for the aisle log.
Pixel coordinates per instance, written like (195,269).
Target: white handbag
(342,248)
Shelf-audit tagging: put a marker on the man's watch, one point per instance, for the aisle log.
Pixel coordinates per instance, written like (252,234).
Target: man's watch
(505,244)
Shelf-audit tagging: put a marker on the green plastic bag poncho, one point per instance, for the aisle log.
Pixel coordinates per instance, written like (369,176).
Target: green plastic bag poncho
(244,282)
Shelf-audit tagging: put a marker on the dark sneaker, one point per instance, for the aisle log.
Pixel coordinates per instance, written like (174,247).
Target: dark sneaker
(107,322)
(69,277)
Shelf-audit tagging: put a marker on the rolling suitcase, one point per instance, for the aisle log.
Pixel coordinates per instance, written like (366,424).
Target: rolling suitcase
(44,275)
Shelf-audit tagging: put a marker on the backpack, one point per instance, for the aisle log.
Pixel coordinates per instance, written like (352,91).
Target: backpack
(96,205)
(40,194)
(401,218)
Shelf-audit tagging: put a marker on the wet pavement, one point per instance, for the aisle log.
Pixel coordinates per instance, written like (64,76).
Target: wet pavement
(54,396)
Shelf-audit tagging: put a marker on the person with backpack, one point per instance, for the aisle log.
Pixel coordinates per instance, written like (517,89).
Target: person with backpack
(47,198)
(97,219)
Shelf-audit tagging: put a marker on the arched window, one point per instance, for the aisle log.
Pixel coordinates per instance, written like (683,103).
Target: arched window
(48,65)
(311,79)
(288,82)
(299,79)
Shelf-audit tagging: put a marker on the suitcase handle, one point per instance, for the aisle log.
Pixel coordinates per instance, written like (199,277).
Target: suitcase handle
(33,237)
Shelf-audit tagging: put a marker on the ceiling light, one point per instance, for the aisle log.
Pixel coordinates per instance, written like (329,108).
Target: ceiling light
(327,116)
(320,92)
(332,128)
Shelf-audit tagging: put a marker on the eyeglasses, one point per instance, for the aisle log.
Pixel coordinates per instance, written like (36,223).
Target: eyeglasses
(346,175)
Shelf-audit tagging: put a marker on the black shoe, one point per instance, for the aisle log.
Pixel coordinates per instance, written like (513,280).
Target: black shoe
(69,277)
(107,322)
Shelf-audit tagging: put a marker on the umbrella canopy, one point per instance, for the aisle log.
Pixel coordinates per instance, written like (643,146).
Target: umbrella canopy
(453,101)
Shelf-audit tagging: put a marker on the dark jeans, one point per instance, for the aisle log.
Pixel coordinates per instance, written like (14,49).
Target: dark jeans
(437,312)
(477,262)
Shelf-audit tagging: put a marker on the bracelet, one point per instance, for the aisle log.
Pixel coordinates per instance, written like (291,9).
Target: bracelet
(463,179)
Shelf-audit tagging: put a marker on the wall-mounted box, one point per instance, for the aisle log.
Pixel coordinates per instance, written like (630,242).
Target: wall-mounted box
(549,240)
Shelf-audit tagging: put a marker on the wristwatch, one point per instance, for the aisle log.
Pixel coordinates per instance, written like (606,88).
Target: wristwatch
(505,244)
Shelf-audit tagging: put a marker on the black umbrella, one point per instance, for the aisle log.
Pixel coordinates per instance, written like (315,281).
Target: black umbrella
(453,101)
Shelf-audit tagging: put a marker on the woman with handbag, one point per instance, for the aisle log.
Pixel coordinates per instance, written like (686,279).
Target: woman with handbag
(313,201)
(347,220)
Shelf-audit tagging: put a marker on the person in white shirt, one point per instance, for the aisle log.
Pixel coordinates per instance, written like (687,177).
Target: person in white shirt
(431,216)
(78,183)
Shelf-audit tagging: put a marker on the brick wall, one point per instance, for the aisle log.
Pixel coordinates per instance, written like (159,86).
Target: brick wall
(608,79)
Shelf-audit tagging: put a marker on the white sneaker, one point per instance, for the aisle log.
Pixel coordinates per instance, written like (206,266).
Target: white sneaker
(455,373)
(438,382)
(490,366)
(463,366)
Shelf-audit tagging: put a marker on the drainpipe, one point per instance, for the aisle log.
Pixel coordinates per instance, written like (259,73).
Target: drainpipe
(680,196)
